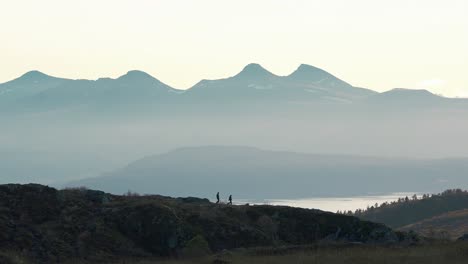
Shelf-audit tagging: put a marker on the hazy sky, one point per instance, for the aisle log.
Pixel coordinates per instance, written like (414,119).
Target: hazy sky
(378,44)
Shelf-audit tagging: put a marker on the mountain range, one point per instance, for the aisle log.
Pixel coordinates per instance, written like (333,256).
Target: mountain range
(55,130)
(254,85)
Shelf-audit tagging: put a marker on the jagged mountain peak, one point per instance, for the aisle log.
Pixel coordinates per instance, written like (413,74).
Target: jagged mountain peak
(34,73)
(407,96)
(410,91)
(254,70)
(34,76)
(307,67)
(136,74)
(309,74)
(254,66)
(305,71)
(406,93)
(138,78)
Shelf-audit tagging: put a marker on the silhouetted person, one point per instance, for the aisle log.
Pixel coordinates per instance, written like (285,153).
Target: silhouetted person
(230,199)
(217,198)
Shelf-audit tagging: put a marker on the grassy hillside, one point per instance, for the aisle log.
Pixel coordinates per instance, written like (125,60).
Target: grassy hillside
(453,252)
(52,225)
(451,225)
(408,211)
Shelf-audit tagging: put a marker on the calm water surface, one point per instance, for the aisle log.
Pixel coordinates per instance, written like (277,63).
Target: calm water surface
(334,204)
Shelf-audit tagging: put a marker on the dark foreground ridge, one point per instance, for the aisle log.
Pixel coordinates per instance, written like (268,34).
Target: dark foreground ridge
(52,225)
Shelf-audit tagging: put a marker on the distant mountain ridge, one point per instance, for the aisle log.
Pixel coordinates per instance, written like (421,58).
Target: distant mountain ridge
(306,84)
(254,173)
(36,91)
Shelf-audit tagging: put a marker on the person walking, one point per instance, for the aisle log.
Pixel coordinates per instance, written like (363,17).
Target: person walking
(217,198)
(230,199)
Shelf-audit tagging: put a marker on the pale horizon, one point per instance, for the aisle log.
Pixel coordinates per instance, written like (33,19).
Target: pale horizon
(379,45)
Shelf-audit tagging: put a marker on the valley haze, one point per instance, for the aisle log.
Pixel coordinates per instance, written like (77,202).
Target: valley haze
(307,131)
(57,131)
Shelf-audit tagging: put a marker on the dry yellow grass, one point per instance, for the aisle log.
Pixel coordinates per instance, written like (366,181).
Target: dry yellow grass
(451,225)
(435,253)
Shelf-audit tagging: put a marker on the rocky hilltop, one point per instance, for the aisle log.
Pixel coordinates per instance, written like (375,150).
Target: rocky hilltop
(52,225)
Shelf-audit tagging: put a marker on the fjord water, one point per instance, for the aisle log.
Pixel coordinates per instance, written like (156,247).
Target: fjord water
(333,204)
